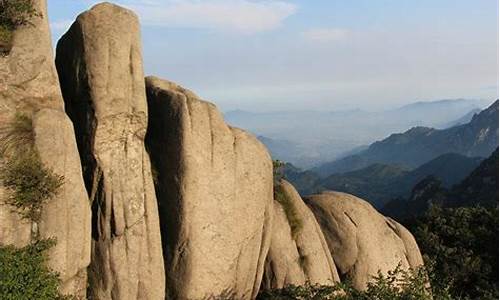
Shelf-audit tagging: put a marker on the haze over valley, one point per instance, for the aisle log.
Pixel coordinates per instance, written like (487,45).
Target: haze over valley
(310,138)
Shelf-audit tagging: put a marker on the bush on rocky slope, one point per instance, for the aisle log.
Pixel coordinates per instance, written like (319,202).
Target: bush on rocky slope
(462,246)
(29,183)
(397,284)
(25,275)
(13,13)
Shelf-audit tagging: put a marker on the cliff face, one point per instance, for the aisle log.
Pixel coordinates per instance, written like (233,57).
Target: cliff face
(100,64)
(200,220)
(361,240)
(298,253)
(29,86)
(214,186)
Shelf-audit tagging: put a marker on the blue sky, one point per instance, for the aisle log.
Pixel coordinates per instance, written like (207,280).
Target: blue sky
(316,54)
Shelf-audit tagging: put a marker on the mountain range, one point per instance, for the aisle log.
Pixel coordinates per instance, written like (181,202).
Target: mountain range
(311,138)
(379,183)
(480,187)
(410,149)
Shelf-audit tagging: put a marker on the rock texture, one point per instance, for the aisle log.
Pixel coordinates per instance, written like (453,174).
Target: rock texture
(28,78)
(29,85)
(361,240)
(100,65)
(67,216)
(299,255)
(215,193)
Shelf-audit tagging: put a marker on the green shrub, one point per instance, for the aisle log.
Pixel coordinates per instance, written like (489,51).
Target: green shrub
(278,171)
(29,183)
(398,284)
(24,274)
(461,247)
(290,211)
(279,195)
(14,13)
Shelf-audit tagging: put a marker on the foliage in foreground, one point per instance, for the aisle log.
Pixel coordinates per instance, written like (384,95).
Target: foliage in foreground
(14,13)
(29,183)
(397,284)
(24,274)
(462,246)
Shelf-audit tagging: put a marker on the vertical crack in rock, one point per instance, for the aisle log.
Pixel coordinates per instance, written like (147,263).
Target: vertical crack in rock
(214,193)
(100,66)
(300,258)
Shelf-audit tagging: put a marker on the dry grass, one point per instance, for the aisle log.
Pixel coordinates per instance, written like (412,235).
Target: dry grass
(17,136)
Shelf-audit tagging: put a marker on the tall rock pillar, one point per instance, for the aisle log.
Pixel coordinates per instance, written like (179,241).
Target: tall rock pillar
(100,64)
(29,86)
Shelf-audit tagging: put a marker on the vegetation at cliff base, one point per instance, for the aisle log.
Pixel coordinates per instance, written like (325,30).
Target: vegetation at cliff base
(397,284)
(461,244)
(14,13)
(24,274)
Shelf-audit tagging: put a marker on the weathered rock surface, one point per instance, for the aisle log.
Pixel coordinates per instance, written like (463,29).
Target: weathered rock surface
(298,254)
(100,65)
(29,85)
(361,240)
(67,216)
(28,78)
(215,193)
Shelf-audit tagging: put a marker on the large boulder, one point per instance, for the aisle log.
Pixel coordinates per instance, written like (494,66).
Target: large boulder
(100,65)
(361,240)
(215,194)
(29,85)
(298,253)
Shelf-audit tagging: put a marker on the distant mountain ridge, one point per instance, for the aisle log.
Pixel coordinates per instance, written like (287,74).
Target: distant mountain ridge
(322,136)
(417,145)
(379,183)
(480,187)
(462,120)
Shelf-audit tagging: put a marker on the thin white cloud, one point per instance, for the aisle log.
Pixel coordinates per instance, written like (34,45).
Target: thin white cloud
(61,25)
(325,34)
(226,15)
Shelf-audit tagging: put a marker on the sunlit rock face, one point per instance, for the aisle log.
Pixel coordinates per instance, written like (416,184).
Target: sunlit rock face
(29,86)
(215,193)
(298,253)
(99,62)
(361,240)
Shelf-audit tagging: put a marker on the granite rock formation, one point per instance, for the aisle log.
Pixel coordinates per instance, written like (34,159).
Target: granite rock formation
(361,240)
(298,253)
(29,86)
(99,62)
(215,194)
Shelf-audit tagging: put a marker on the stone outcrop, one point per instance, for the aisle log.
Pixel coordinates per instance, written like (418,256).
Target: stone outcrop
(361,240)
(100,65)
(29,85)
(215,193)
(298,253)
